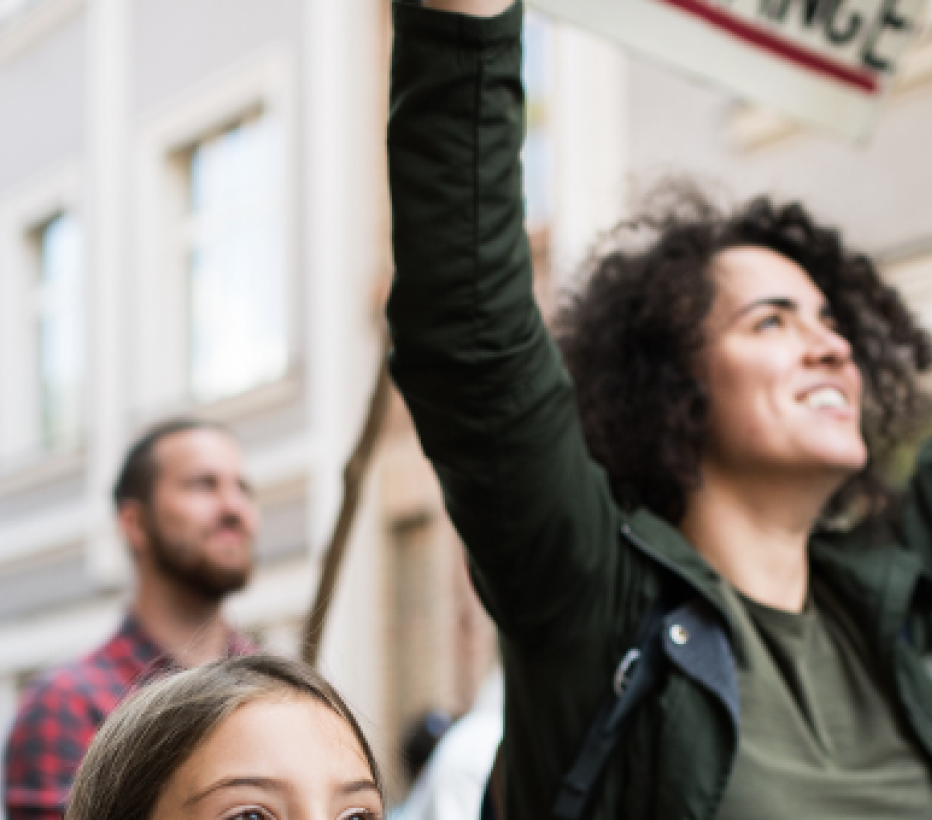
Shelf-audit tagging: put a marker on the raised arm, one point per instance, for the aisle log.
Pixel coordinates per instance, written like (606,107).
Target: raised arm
(493,405)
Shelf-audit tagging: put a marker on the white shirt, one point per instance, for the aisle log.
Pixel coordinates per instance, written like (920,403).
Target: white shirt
(453,782)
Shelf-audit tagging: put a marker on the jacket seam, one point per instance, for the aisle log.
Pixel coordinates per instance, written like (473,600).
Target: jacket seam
(491,428)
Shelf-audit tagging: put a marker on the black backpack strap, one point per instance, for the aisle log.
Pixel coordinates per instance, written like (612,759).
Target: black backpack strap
(636,676)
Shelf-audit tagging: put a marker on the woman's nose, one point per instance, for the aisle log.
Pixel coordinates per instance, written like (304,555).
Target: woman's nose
(827,346)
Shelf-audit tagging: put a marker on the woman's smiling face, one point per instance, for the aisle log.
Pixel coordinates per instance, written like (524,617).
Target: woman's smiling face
(785,392)
(288,758)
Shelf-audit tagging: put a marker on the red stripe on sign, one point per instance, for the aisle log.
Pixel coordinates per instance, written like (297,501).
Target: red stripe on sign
(761,38)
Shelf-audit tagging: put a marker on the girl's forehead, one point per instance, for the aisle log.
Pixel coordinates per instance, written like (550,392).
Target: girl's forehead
(292,750)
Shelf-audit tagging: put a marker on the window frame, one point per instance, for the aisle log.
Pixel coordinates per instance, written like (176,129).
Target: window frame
(41,315)
(22,213)
(193,233)
(266,84)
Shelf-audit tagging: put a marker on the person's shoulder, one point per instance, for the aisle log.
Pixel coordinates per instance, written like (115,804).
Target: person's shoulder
(75,679)
(55,707)
(241,643)
(77,684)
(58,714)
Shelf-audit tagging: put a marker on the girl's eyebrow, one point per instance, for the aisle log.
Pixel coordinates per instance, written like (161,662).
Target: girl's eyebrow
(356,786)
(271,784)
(266,783)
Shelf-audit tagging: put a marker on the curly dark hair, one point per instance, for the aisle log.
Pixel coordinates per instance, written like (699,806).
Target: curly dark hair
(631,338)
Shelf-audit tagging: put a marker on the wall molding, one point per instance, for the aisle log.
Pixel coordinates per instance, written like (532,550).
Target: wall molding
(28,27)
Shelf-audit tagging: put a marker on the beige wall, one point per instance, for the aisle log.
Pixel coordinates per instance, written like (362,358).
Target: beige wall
(878,192)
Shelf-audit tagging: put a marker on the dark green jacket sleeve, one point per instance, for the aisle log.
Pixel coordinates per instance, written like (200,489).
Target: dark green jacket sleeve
(493,405)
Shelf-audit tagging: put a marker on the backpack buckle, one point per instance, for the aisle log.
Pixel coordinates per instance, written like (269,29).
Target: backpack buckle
(624,671)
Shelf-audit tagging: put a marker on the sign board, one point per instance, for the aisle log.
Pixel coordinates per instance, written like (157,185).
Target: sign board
(826,62)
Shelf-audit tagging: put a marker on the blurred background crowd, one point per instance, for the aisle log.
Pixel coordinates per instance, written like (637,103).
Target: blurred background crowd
(194,219)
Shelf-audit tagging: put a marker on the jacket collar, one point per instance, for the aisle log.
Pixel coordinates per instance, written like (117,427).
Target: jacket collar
(876,581)
(665,545)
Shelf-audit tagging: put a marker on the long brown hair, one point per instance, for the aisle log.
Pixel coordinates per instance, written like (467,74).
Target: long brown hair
(151,734)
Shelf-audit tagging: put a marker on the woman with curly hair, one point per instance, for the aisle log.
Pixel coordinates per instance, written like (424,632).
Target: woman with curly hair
(702,459)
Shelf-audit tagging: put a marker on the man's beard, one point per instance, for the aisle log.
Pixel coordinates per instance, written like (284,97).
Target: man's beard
(189,567)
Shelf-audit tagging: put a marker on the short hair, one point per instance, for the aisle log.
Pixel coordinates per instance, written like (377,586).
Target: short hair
(632,339)
(136,478)
(152,733)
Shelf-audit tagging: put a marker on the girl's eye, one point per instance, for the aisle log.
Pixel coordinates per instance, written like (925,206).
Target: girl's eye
(360,814)
(250,814)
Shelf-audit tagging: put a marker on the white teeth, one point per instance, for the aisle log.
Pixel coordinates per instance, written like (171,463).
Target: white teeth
(826,397)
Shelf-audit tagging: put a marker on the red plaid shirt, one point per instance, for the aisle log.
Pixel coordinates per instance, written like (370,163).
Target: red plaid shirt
(61,711)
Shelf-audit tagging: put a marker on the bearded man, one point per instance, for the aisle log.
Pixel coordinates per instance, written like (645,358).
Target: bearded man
(188,517)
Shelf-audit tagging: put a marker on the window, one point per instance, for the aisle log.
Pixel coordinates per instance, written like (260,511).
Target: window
(538,147)
(43,327)
(59,331)
(235,260)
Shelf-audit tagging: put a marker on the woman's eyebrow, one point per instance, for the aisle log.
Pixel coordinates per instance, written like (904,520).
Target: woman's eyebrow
(780,302)
(265,783)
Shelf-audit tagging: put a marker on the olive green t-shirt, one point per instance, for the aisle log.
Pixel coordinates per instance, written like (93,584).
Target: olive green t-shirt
(819,736)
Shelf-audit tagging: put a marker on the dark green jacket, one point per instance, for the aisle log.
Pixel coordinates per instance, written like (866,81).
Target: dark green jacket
(565,573)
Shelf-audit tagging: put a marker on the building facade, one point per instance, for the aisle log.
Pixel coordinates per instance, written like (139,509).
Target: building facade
(194,219)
